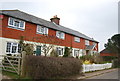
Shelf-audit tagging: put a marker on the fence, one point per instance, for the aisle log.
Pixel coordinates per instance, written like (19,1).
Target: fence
(11,63)
(94,67)
(15,64)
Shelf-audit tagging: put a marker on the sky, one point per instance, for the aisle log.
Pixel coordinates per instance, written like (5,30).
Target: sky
(97,19)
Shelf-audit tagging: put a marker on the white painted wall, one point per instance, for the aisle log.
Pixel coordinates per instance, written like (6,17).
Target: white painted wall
(3,42)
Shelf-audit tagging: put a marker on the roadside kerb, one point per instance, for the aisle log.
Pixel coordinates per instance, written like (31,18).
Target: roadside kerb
(88,75)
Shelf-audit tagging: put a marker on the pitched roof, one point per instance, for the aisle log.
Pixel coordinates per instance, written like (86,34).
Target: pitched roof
(89,47)
(107,52)
(30,18)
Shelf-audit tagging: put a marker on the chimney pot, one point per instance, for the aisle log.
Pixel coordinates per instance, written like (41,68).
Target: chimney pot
(55,19)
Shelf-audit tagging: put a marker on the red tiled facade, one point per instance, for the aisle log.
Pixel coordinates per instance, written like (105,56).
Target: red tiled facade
(30,32)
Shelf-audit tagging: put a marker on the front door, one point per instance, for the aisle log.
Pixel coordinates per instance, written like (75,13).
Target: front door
(38,50)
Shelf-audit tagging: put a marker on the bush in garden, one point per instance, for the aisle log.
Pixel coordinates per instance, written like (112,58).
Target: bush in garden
(116,63)
(54,53)
(92,59)
(66,52)
(38,67)
(87,58)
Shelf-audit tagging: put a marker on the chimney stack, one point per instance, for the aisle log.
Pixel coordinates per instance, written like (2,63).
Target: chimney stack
(55,19)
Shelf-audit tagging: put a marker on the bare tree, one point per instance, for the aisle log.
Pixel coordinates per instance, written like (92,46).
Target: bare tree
(47,43)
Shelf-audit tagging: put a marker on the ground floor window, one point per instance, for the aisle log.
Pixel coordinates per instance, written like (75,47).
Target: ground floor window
(76,52)
(13,48)
(60,51)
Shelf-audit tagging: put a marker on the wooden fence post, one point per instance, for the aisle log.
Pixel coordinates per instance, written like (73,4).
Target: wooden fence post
(22,64)
(19,64)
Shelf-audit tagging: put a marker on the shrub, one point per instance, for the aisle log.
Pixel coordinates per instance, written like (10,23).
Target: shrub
(92,58)
(109,58)
(88,58)
(38,67)
(66,52)
(54,53)
(116,63)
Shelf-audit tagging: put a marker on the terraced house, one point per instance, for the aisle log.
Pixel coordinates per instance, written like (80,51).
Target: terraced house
(37,31)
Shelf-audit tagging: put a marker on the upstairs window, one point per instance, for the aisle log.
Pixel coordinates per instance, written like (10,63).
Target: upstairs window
(60,35)
(86,42)
(42,30)
(13,48)
(76,39)
(16,23)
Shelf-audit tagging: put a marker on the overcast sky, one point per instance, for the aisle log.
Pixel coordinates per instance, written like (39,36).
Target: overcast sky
(97,19)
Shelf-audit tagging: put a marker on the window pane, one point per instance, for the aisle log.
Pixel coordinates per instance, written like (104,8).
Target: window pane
(40,29)
(57,34)
(14,48)
(62,35)
(16,23)
(8,47)
(11,21)
(77,39)
(86,42)
(76,52)
(19,48)
(59,52)
(21,24)
(45,30)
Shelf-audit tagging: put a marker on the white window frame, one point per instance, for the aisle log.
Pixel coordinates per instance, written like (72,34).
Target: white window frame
(60,35)
(42,30)
(87,42)
(11,48)
(19,24)
(76,51)
(76,39)
(61,51)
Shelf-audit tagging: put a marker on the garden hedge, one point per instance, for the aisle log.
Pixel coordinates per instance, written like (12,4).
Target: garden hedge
(39,67)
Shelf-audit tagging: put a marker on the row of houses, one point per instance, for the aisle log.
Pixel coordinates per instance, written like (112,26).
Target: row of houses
(37,31)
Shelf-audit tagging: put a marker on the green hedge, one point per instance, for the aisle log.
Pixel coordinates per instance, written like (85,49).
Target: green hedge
(38,67)
(109,58)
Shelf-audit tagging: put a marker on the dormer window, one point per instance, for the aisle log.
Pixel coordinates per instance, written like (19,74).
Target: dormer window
(16,23)
(60,34)
(42,30)
(76,39)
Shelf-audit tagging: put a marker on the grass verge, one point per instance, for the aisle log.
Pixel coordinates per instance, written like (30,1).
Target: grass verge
(14,75)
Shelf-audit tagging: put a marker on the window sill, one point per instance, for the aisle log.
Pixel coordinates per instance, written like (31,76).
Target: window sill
(42,34)
(77,42)
(16,28)
(61,38)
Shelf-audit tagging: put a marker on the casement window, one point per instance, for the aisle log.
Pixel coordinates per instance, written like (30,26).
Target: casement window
(42,30)
(60,35)
(87,42)
(16,23)
(13,48)
(76,39)
(59,51)
(76,52)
